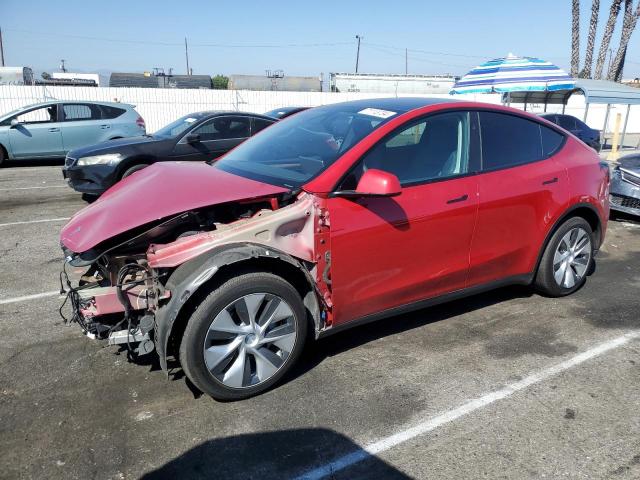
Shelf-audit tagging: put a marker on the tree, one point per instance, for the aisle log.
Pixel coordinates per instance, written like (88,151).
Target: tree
(628,26)
(606,38)
(575,37)
(220,82)
(591,39)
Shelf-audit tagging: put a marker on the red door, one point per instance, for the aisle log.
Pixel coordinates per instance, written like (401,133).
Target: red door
(388,252)
(521,196)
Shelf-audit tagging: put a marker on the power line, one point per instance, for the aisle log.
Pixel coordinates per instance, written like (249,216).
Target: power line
(448,54)
(416,57)
(181,44)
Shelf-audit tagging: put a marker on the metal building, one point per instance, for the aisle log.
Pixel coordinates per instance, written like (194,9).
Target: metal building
(282,83)
(383,83)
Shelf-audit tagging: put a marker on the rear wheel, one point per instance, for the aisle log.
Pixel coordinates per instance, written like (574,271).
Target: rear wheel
(244,336)
(134,169)
(567,259)
(3,155)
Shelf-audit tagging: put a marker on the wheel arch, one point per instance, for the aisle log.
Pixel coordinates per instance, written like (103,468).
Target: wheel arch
(5,151)
(193,280)
(583,210)
(129,162)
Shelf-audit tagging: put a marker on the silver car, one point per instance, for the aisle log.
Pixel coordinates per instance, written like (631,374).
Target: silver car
(51,129)
(625,185)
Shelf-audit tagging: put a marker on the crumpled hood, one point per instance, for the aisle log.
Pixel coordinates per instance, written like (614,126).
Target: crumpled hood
(159,191)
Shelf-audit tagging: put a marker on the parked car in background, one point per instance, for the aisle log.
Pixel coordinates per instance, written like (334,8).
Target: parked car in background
(577,127)
(284,112)
(51,129)
(199,136)
(340,215)
(625,185)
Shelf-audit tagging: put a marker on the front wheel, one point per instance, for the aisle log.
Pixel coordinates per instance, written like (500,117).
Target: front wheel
(567,259)
(244,336)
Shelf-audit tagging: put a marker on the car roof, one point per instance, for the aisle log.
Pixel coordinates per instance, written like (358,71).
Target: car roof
(90,102)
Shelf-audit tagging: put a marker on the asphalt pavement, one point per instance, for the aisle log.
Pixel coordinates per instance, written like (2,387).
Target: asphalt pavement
(507,384)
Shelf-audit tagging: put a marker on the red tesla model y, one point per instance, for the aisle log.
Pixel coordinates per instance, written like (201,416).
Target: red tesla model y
(336,216)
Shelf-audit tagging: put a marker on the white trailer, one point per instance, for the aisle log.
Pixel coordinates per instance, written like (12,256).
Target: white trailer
(390,83)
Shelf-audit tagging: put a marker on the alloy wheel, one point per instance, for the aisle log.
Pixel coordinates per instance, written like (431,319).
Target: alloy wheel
(250,340)
(572,257)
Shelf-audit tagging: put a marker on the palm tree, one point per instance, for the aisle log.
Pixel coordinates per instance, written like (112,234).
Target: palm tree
(591,39)
(628,25)
(575,37)
(606,38)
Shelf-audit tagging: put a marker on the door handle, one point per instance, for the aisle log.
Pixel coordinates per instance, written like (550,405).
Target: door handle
(53,130)
(458,199)
(549,182)
(104,127)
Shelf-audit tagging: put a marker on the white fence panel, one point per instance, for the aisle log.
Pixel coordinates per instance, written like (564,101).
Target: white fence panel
(161,106)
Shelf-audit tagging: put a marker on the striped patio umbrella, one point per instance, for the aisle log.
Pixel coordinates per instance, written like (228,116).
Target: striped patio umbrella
(514,74)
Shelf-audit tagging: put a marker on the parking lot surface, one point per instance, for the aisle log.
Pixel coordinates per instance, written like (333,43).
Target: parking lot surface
(506,384)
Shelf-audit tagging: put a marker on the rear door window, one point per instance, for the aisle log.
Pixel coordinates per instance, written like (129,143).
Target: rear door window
(74,112)
(509,140)
(260,124)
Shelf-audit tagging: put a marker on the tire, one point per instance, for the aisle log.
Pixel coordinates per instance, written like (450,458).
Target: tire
(240,362)
(3,155)
(565,265)
(133,170)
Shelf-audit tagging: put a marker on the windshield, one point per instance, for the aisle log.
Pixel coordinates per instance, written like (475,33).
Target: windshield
(176,128)
(293,151)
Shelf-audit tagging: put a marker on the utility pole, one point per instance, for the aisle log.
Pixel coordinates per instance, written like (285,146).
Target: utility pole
(186,54)
(406,61)
(358,54)
(1,50)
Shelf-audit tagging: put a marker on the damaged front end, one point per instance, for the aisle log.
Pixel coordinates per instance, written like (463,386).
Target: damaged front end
(132,289)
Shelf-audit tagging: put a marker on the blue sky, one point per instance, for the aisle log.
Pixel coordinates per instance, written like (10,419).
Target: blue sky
(443,37)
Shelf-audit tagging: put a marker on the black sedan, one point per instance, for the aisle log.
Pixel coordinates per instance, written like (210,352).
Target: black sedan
(199,136)
(625,185)
(577,127)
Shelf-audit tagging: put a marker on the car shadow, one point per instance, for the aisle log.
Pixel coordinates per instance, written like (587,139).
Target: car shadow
(623,217)
(316,352)
(274,455)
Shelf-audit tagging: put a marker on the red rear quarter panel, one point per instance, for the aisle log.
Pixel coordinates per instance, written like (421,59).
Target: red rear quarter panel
(588,180)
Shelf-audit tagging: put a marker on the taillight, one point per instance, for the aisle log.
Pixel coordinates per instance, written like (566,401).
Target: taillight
(141,124)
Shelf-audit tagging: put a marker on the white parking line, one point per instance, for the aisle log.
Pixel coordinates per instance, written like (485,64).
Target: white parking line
(62,219)
(25,298)
(465,409)
(31,188)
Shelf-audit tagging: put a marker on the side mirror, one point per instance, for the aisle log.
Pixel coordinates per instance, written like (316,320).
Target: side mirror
(15,122)
(374,183)
(193,138)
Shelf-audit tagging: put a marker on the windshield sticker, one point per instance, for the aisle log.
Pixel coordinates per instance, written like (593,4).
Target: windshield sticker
(376,112)
(190,120)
